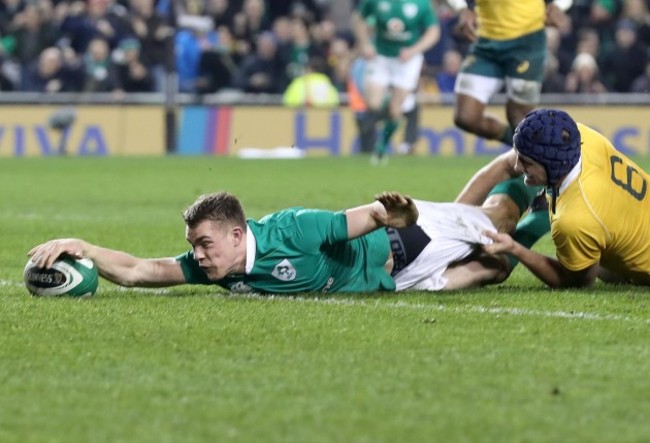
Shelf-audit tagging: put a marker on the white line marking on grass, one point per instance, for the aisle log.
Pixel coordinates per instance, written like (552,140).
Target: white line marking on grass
(10,283)
(579,315)
(477,309)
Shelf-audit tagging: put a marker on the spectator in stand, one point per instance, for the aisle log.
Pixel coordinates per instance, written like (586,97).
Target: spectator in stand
(588,42)
(554,48)
(8,10)
(250,22)
(642,83)
(221,11)
(32,33)
(96,19)
(7,82)
(301,48)
(553,81)
(322,34)
(446,76)
(216,66)
(190,44)
(262,72)
(52,73)
(637,11)
(100,73)
(340,58)
(133,75)
(282,29)
(599,15)
(153,32)
(624,61)
(584,76)
(311,10)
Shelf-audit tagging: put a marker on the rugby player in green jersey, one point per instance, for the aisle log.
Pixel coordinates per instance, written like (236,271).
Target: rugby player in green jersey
(392,36)
(394,243)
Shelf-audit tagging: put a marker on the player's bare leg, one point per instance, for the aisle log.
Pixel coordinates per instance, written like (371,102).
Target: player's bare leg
(470,115)
(391,122)
(516,112)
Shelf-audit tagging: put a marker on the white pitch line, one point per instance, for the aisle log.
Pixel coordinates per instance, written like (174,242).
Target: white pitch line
(579,315)
(477,309)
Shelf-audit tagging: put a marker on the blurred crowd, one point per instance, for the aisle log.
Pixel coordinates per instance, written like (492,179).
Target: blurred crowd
(261,46)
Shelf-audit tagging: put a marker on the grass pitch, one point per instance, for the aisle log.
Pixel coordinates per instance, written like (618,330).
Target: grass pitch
(513,363)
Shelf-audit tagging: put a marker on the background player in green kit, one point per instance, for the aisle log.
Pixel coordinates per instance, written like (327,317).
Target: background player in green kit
(392,35)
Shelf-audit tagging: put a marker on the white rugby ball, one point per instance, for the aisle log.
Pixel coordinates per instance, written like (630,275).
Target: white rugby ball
(67,276)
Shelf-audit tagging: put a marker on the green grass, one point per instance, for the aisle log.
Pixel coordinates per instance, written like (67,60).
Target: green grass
(513,363)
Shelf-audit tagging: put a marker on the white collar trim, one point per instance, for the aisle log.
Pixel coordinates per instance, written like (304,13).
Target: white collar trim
(571,176)
(251,247)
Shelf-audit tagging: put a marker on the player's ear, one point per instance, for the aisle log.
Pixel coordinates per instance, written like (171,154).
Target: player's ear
(237,234)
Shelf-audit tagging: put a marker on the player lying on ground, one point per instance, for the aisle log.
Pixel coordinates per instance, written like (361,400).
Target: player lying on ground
(394,243)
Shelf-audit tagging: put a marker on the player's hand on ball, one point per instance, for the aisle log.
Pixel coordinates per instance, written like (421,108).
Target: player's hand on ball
(400,209)
(45,254)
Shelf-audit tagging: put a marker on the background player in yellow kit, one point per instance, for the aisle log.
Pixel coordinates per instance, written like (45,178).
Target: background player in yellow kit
(508,47)
(598,202)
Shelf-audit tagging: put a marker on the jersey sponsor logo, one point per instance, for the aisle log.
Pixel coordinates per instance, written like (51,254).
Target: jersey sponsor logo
(328,285)
(523,67)
(284,271)
(240,287)
(410,10)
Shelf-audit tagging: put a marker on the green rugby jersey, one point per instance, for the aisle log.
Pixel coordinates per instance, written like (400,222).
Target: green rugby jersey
(398,23)
(305,250)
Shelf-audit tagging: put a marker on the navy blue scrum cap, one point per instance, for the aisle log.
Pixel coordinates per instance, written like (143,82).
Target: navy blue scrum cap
(551,138)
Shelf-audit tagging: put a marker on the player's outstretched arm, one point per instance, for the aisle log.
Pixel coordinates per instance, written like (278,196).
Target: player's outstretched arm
(547,269)
(116,266)
(390,209)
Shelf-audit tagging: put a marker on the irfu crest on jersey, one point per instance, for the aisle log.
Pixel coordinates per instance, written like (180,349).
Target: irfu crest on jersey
(284,271)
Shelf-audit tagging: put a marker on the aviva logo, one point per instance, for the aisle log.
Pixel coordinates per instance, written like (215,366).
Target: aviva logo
(523,67)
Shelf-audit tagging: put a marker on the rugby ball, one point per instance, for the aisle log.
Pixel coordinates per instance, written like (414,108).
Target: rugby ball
(67,276)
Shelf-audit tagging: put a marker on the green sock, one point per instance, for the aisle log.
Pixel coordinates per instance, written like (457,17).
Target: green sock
(506,138)
(516,189)
(390,126)
(530,229)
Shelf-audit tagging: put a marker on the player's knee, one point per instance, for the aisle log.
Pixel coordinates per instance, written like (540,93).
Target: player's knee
(462,121)
(500,275)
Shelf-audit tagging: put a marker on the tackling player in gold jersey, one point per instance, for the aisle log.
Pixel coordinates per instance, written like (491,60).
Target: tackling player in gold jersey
(599,203)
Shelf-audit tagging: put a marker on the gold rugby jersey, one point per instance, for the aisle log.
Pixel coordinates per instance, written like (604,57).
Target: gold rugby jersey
(604,214)
(508,19)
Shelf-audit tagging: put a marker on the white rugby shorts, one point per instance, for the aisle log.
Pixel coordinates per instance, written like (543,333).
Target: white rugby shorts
(391,71)
(455,230)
